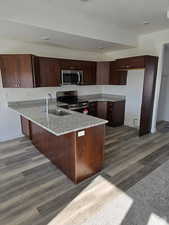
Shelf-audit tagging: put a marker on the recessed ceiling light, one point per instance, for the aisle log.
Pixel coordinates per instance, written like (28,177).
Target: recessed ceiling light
(45,38)
(146,23)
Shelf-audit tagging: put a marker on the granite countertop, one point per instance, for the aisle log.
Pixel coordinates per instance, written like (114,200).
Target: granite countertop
(58,125)
(102,98)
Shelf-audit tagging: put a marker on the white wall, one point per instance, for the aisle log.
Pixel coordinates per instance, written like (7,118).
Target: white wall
(163,107)
(10,126)
(133,92)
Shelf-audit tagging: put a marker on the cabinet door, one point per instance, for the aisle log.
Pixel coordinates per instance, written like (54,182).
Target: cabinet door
(49,72)
(117,77)
(115,113)
(102,110)
(89,69)
(103,73)
(93,109)
(16,71)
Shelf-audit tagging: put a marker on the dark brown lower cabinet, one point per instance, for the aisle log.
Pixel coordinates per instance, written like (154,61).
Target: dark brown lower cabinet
(102,110)
(115,113)
(77,156)
(25,125)
(112,111)
(93,109)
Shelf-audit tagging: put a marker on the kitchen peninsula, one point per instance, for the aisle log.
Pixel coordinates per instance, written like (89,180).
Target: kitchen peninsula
(74,142)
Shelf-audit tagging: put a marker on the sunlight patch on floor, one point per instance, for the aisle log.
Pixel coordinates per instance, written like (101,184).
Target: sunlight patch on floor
(99,196)
(156,220)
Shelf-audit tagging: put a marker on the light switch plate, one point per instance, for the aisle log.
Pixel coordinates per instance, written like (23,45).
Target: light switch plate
(81,133)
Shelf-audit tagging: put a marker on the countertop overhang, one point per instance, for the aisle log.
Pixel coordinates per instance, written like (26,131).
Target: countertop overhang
(58,125)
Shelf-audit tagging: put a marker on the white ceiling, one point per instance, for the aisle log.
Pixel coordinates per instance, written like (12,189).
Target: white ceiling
(130,14)
(16,31)
(85,25)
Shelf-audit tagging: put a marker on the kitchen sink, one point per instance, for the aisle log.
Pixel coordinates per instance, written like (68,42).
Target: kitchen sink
(59,112)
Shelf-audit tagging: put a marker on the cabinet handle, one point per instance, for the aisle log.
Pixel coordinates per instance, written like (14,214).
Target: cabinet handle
(18,83)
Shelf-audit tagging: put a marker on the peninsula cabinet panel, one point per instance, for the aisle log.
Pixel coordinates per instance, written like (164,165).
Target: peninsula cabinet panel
(59,149)
(17,71)
(48,72)
(78,156)
(89,152)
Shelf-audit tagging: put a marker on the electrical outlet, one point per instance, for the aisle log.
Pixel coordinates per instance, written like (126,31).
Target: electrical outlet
(135,122)
(81,133)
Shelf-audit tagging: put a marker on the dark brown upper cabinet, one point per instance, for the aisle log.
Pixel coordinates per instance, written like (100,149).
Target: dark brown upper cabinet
(68,64)
(120,67)
(26,71)
(89,76)
(17,71)
(107,73)
(103,73)
(47,72)
(129,63)
(117,77)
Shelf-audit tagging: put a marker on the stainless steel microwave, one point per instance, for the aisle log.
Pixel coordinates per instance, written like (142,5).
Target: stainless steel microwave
(69,77)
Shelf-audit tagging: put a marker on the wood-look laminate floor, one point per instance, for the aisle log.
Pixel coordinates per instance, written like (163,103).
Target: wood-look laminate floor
(33,191)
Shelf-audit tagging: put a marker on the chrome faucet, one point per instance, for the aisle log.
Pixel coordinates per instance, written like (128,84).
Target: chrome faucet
(48,97)
(56,101)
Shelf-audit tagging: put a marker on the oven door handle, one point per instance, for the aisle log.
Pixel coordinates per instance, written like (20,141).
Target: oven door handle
(79,78)
(77,108)
(62,77)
